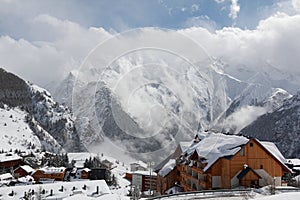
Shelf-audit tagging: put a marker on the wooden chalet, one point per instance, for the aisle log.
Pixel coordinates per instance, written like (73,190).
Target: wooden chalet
(168,170)
(22,171)
(9,161)
(54,173)
(218,161)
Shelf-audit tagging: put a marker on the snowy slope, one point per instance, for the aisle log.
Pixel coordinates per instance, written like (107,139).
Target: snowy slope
(51,122)
(15,133)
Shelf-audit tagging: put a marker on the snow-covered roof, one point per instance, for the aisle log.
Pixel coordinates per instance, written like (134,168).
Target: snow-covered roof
(86,169)
(272,148)
(27,168)
(145,173)
(79,163)
(167,168)
(10,157)
(140,163)
(26,179)
(51,170)
(215,146)
(184,145)
(5,176)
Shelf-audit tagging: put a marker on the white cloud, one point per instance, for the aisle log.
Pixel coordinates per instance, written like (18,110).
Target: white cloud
(65,46)
(219,1)
(61,45)
(243,117)
(296,5)
(275,40)
(201,21)
(234,9)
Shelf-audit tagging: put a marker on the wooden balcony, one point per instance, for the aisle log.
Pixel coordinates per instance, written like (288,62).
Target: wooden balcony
(197,170)
(202,184)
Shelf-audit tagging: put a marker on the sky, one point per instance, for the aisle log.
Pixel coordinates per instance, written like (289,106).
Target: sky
(43,40)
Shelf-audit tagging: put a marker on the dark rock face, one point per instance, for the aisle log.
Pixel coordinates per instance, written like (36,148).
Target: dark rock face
(281,127)
(14,91)
(42,110)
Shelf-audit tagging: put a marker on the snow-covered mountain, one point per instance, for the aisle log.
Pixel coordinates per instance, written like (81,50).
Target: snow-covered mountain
(145,102)
(34,117)
(280,126)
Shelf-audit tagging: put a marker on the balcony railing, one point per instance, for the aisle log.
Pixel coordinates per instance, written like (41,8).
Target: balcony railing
(196,169)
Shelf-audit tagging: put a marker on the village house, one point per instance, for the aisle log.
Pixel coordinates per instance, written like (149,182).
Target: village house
(83,173)
(5,178)
(9,161)
(107,164)
(169,172)
(218,161)
(138,166)
(22,171)
(52,173)
(144,180)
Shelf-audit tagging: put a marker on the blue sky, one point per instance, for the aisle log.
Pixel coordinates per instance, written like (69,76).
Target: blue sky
(54,36)
(121,15)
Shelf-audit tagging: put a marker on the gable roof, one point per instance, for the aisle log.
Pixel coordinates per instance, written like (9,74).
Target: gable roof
(5,176)
(213,146)
(140,163)
(272,149)
(27,168)
(244,172)
(216,145)
(167,168)
(182,147)
(53,170)
(9,157)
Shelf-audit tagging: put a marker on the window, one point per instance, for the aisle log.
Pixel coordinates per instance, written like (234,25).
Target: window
(251,144)
(242,151)
(261,166)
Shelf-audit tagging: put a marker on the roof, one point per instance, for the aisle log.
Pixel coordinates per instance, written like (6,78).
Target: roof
(86,169)
(162,163)
(167,168)
(52,170)
(144,173)
(10,157)
(6,176)
(216,145)
(27,168)
(213,146)
(79,163)
(26,179)
(244,172)
(140,163)
(274,151)
(184,146)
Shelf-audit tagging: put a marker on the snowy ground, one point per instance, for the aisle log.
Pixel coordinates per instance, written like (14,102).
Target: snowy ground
(60,190)
(119,192)
(14,132)
(118,169)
